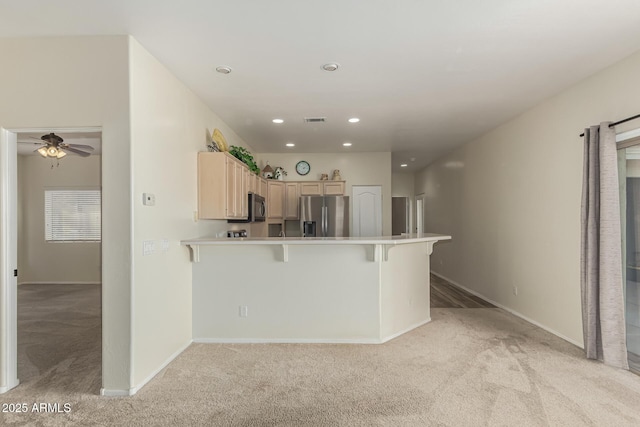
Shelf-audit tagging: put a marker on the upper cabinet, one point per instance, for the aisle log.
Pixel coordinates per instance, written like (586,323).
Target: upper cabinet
(322,188)
(223,183)
(333,188)
(275,200)
(311,188)
(292,200)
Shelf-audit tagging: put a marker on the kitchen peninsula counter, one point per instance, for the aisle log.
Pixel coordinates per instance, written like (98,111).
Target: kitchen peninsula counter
(340,289)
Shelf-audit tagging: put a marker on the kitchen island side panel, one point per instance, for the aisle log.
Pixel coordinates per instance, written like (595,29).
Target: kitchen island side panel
(405,289)
(324,293)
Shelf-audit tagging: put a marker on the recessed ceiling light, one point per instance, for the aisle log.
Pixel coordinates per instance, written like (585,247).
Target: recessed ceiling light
(277,121)
(290,144)
(223,69)
(347,144)
(404,165)
(354,120)
(332,66)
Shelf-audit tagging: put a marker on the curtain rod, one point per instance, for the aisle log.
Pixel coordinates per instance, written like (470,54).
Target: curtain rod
(620,122)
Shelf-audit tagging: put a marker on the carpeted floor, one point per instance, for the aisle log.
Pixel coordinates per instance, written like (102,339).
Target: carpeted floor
(468,367)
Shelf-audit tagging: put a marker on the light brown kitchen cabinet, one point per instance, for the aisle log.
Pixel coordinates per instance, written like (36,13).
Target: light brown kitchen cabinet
(275,200)
(292,200)
(311,188)
(221,186)
(246,183)
(263,188)
(322,188)
(333,188)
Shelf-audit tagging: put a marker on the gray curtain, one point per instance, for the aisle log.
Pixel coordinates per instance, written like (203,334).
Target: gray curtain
(601,258)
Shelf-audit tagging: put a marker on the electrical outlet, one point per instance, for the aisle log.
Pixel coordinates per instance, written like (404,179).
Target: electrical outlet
(515,290)
(148,199)
(244,311)
(195,216)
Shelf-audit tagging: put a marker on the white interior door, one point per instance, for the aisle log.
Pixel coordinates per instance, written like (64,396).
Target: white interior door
(420,213)
(367,210)
(8,260)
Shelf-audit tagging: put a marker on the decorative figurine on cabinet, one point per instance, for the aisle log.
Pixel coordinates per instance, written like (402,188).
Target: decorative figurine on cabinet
(267,172)
(336,175)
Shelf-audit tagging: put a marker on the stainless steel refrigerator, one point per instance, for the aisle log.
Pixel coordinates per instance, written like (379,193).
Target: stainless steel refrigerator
(399,215)
(324,216)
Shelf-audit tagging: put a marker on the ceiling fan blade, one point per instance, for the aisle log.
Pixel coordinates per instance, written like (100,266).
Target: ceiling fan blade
(78,152)
(84,147)
(31,143)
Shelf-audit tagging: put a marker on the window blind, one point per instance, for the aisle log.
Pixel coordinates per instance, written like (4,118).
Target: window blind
(72,215)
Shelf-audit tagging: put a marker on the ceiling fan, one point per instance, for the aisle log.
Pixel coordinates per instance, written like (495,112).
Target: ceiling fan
(54,147)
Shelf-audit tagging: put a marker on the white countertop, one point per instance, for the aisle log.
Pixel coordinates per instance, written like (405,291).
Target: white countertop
(381,240)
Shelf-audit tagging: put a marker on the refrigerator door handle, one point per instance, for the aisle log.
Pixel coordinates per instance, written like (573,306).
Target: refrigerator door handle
(325,221)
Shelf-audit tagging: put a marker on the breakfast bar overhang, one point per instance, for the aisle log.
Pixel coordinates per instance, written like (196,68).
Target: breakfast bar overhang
(310,290)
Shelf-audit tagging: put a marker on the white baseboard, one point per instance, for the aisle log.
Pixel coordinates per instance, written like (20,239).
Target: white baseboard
(134,390)
(115,392)
(12,384)
(137,388)
(286,341)
(510,310)
(404,331)
(59,283)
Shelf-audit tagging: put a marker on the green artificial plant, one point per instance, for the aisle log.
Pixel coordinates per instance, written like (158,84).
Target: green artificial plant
(245,157)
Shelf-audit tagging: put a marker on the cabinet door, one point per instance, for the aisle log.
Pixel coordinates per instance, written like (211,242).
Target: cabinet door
(292,201)
(245,191)
(334,188)
(275,200)
(311,189)
(263,188)
(239,188)
(255,184)
(212,186)
(231,197)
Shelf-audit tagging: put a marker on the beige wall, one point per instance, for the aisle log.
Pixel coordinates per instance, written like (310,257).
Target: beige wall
(39,261)
(87,85)
(169,126)
(402,185)
(355,169)
(511,201)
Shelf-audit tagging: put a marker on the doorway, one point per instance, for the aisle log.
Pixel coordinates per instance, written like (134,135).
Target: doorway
(54,258)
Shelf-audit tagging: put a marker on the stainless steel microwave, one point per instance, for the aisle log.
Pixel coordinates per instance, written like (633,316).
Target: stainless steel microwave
(257,209)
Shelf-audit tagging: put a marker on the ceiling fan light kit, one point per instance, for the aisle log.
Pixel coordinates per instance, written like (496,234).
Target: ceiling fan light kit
(55,148)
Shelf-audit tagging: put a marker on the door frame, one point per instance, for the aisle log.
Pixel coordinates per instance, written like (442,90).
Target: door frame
(419,218)
(8,261)
(9,248)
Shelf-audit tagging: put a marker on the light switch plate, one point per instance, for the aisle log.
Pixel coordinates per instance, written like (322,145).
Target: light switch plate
(164,245)
(148,247)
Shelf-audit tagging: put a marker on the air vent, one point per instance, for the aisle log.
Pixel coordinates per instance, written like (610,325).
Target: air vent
(315,119)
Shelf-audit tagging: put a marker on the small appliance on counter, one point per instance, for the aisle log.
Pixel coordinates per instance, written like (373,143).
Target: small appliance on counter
(236,233)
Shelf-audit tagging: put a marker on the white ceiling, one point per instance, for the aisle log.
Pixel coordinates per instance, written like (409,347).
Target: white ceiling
(423,76)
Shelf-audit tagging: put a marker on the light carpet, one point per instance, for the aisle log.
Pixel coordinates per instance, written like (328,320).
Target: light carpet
(468,367)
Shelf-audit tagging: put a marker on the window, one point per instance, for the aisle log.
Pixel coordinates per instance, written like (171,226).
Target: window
(72,215)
